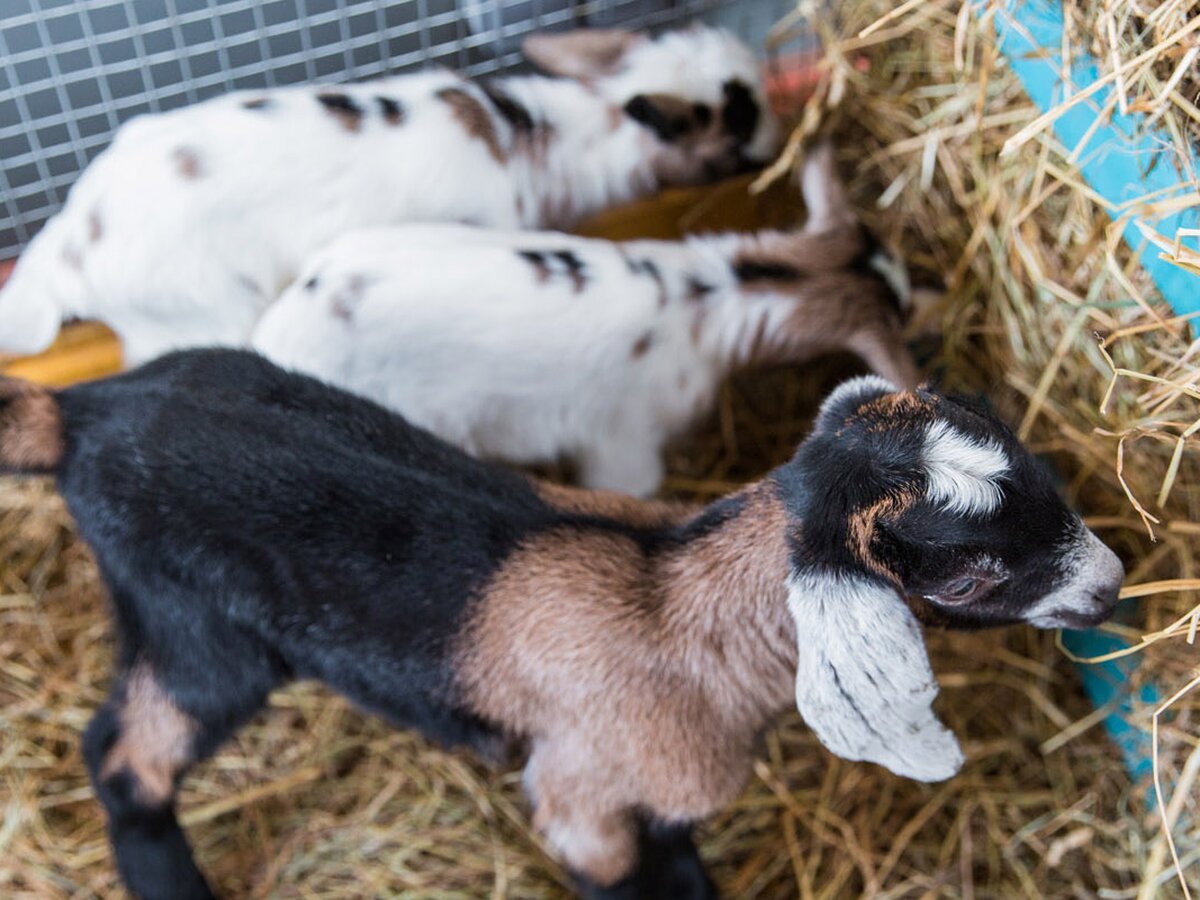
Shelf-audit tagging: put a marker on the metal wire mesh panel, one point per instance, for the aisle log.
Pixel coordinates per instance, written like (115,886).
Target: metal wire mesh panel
(72,70)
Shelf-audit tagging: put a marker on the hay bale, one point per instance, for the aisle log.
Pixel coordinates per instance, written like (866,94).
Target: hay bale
(1046,303)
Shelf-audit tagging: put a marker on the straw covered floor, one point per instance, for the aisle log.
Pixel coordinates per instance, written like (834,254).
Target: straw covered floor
(316,800)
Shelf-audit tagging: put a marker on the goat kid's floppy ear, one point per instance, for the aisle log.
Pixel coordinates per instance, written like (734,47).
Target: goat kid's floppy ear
(863,681)
(583,53)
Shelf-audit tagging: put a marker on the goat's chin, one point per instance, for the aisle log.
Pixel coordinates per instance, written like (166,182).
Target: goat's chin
(1073,621)
(931,615)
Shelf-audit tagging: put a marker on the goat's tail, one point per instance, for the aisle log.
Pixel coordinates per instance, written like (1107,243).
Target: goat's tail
(31,430)
(44,288)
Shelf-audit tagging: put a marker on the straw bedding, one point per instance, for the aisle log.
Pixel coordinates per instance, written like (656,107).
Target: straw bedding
(316,800)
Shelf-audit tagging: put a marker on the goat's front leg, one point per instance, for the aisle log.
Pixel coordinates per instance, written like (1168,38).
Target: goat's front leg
(669,866)
(612,854)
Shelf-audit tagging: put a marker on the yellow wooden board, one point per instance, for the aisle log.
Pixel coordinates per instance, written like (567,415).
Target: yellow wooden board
(87,350)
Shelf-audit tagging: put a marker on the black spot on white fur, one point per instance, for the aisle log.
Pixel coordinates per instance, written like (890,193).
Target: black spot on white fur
(512,111)
(344,109)
(740,114)
(391,110)
(566,263)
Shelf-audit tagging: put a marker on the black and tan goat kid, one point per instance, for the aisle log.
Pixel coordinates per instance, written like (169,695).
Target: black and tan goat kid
(255,527)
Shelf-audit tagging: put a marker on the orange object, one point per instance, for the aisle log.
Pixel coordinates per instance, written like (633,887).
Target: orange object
(82,351)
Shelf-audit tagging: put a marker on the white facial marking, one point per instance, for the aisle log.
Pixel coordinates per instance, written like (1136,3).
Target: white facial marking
(1091,568)
(863,681)
(961,472)
(895,274)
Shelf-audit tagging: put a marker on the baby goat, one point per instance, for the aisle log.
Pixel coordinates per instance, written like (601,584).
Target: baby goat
(183,230)
(255,527)
(529,347)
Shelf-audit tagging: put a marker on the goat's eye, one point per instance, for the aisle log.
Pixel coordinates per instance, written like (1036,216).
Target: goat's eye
(961,589)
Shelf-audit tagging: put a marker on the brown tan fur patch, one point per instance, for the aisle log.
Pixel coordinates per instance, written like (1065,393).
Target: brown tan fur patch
(782,255)
(641,678)
(835,310)
(187,163)
(474,118)
(31,438)
(696,330)
(862,525)
(903,408)
(615,505)
(155,742)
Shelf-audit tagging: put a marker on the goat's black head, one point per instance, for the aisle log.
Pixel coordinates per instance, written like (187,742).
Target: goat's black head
(915,502)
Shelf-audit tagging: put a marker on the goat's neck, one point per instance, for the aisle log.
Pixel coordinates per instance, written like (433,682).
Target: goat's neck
(725,608)
(582,155)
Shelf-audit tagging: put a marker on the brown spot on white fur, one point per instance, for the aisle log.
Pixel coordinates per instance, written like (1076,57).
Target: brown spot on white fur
(642,345)
(95,227)
(187,163)
(474,118)
(696,331)
(155,740)
(345,300)
(698,653)
(31,437)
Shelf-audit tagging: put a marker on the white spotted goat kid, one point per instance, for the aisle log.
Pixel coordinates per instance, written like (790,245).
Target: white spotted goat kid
(186,228)
(531,347)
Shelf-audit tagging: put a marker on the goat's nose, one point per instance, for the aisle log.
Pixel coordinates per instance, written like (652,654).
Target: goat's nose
(1107,595)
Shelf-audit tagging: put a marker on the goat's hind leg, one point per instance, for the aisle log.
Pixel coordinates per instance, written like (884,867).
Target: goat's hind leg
(156,724)
(136,747)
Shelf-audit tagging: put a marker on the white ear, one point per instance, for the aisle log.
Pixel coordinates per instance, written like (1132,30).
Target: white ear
(863,683)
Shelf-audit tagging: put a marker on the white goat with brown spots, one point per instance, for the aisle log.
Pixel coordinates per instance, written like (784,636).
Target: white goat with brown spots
(192,222)
(531,347)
